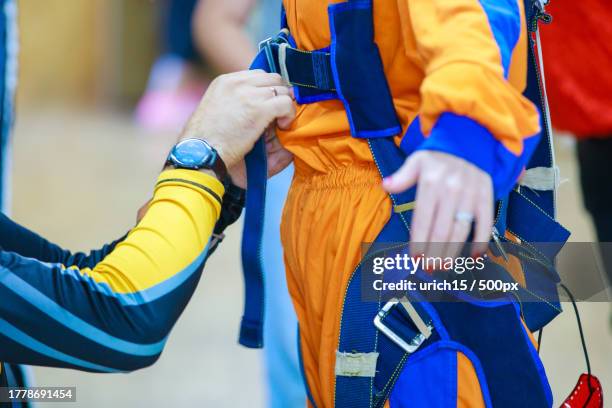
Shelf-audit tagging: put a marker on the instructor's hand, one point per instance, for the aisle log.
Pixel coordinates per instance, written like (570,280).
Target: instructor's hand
(236,110)
(451,193)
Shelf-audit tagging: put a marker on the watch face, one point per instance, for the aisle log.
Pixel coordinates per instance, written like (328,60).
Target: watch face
(193,153)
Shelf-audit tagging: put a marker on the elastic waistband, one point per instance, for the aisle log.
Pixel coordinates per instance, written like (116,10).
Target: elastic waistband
(363,175)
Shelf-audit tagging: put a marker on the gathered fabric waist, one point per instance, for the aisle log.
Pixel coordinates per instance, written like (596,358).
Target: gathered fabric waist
(350,176)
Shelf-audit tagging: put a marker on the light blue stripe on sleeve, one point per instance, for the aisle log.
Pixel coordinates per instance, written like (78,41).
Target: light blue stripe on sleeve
(37,299)
(49,307)
(31,343)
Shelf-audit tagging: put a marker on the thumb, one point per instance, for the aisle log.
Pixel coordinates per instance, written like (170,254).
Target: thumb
(404,178)
(284,122)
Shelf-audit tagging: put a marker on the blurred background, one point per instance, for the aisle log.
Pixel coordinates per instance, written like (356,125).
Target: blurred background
(87,148)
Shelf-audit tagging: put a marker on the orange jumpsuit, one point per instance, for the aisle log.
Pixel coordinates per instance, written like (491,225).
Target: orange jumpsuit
(439,56)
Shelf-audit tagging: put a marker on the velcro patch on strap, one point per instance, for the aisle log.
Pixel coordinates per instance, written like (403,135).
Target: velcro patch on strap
(356,364)
(541,178)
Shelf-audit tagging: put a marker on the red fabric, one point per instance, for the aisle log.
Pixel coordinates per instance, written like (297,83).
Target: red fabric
(580,395)
(577,48)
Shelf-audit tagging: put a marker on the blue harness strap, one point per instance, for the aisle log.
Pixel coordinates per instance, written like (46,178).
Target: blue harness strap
(530,213)
(251,327)
(358,71)
(350,69)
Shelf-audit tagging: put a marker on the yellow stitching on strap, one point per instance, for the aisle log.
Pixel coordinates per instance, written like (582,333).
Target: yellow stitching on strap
(400,208)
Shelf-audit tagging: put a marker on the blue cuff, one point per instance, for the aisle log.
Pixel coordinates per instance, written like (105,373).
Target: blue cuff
(465,138)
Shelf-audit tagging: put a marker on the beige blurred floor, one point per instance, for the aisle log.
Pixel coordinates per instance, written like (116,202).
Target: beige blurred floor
(79,179)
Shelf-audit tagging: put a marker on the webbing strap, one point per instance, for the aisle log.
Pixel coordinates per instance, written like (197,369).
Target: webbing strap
(357,331)
(529,211)
(535,92)
(539,187)
(251,328)
(358,335)
(311,69)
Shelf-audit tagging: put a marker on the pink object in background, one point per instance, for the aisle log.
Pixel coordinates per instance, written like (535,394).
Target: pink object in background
(172,95)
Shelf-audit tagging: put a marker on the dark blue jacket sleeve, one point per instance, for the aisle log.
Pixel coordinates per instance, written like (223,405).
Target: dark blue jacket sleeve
(20,240)
(111,310)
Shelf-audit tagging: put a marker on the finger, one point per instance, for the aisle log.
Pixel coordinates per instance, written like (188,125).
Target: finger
(423,212)
(240,75)
(263,79)
(257,77)
(281,90)
(273,145)
(448,200)
(285,122)
(278,161)
(460,229)
(271,92)
(405,177)
(484,223)
(279,107)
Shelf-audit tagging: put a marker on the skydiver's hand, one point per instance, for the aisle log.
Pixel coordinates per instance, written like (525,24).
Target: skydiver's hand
(278,157)
(236,110)
(451,193)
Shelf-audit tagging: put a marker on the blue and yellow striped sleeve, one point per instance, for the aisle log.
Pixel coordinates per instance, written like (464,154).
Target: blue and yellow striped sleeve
(473,55)
(113,309)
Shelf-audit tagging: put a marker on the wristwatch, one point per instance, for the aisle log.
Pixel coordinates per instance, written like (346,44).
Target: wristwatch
(196,154)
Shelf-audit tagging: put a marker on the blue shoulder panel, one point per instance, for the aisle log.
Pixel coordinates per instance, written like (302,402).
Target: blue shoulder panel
(505,22)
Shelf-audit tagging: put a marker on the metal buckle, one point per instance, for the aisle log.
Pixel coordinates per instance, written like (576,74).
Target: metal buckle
(425,329)
(266,46)
(497,239)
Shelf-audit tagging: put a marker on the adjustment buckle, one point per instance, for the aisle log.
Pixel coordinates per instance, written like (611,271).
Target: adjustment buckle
(266,46)
(425,330)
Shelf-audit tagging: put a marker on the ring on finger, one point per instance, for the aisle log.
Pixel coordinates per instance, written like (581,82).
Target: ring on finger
(464,217)
(274,91)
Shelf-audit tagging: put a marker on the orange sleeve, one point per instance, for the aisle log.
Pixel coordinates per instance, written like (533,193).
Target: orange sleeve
(467,49)
(469,108)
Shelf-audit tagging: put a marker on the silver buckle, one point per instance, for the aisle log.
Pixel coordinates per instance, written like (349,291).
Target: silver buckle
(265,45)
(425,329)
(265,42)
